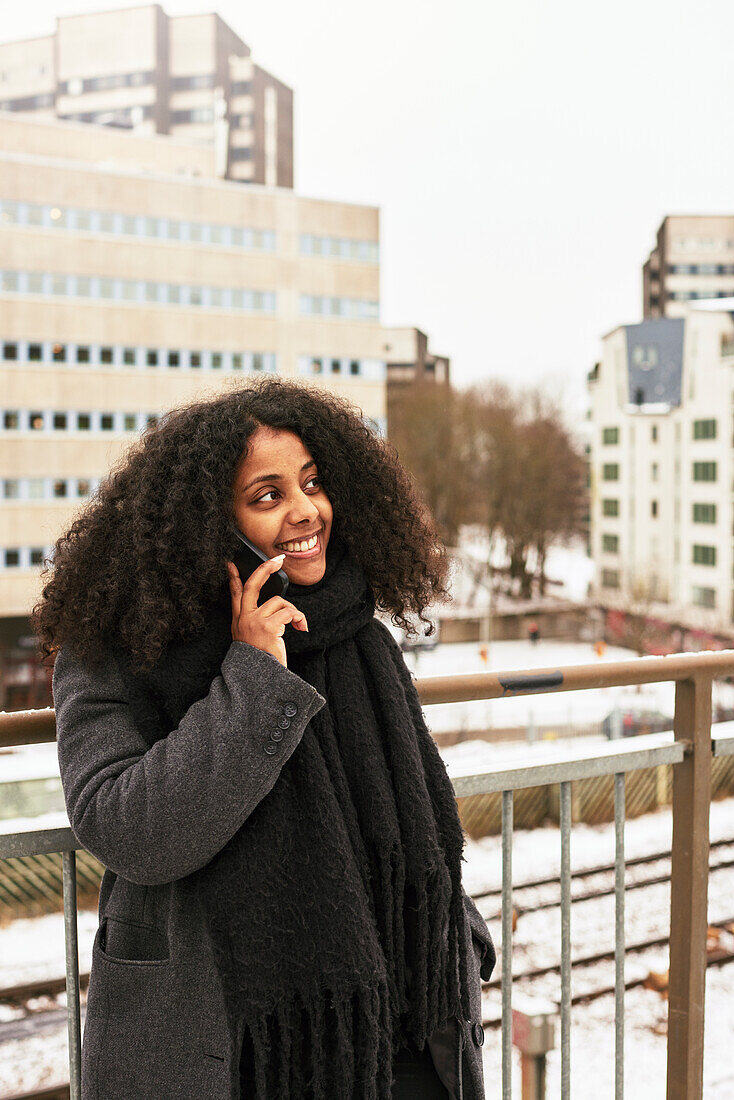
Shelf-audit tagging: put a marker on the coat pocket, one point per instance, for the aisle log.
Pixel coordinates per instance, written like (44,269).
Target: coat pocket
(132,941)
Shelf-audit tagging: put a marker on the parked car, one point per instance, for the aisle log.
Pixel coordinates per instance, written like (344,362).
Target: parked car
(636,720)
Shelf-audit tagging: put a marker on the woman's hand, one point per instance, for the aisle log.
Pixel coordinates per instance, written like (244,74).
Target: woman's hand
(265,625)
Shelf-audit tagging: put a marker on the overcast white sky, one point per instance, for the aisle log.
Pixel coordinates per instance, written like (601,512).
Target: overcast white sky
(522,154)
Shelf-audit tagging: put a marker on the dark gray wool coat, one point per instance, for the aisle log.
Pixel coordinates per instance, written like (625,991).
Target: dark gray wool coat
(155,1025)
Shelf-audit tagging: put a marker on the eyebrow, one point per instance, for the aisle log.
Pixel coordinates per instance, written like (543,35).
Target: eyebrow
(274,477)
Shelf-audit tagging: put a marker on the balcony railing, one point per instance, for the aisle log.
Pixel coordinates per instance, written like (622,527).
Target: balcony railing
(689,749)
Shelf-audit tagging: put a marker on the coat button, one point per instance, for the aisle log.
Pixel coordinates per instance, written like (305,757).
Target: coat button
(290,709)
(284,722)
(277,735)
(270,747)
(478,1034)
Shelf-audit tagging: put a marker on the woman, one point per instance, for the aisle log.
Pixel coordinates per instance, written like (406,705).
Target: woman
(281,913)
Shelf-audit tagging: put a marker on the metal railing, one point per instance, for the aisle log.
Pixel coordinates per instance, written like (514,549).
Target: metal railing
(689,750)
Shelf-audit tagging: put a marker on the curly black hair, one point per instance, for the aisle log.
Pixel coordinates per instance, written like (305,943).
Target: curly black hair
(146,556)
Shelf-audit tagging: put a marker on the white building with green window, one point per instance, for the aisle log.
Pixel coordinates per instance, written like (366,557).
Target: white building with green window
(660,466)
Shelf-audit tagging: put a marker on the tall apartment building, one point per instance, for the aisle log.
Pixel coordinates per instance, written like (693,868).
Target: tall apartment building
(129,284)
(692,259)
(189,76)
(661,470)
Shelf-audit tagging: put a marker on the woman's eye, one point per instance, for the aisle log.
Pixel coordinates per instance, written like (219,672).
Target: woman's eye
(265,495)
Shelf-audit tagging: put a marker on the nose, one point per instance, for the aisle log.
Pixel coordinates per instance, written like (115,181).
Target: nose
(303,510)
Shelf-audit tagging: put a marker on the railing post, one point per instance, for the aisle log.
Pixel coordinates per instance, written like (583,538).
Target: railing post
(689,890)
(72,973)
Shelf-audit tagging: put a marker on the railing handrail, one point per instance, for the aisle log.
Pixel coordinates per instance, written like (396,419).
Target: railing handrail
(39,726)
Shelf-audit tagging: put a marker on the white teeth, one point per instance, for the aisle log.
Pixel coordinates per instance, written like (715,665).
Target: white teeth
(300,546)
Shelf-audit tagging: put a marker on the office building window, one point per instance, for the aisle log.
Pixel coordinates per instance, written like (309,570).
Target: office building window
(704,429)
(703,597)
(610,507)
(196,80)
(610,578)
(82,354)
(653,508)
(59,353)
(10,351)
(610,543)
(106,355)
(105,287)
(610,471)
(704,513)
(704,471)
(704,555)
(59,421)
(610,435)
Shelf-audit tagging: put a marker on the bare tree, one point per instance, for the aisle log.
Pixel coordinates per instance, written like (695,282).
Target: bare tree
(422,426)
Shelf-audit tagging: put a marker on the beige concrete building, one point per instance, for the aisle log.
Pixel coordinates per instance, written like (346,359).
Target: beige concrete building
(189,76)
(409,359)
(132,279)
(661,470)
(693,259)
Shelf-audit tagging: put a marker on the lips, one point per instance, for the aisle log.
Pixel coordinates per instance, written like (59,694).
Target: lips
(300,538)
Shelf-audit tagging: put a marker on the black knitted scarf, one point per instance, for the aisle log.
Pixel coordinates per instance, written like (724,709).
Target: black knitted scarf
(335,912)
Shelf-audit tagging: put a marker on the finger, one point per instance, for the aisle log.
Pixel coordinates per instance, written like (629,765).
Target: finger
(289,614)
(235,590)
(256,580)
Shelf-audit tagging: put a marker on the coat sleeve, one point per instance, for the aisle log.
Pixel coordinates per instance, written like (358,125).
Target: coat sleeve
(153,814)
(480,931)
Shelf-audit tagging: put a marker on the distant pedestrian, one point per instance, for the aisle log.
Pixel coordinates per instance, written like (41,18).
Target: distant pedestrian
(533,631)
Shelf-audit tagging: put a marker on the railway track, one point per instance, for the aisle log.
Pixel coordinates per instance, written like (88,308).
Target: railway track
(716,957)
(592,872)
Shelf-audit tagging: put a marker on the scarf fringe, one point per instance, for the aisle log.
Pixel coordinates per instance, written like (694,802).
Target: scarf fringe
(333,1045)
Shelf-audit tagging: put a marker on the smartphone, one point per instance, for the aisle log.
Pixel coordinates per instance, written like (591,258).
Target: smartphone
(247,557)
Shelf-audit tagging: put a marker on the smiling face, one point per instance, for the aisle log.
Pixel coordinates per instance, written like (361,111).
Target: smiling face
(279,499)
